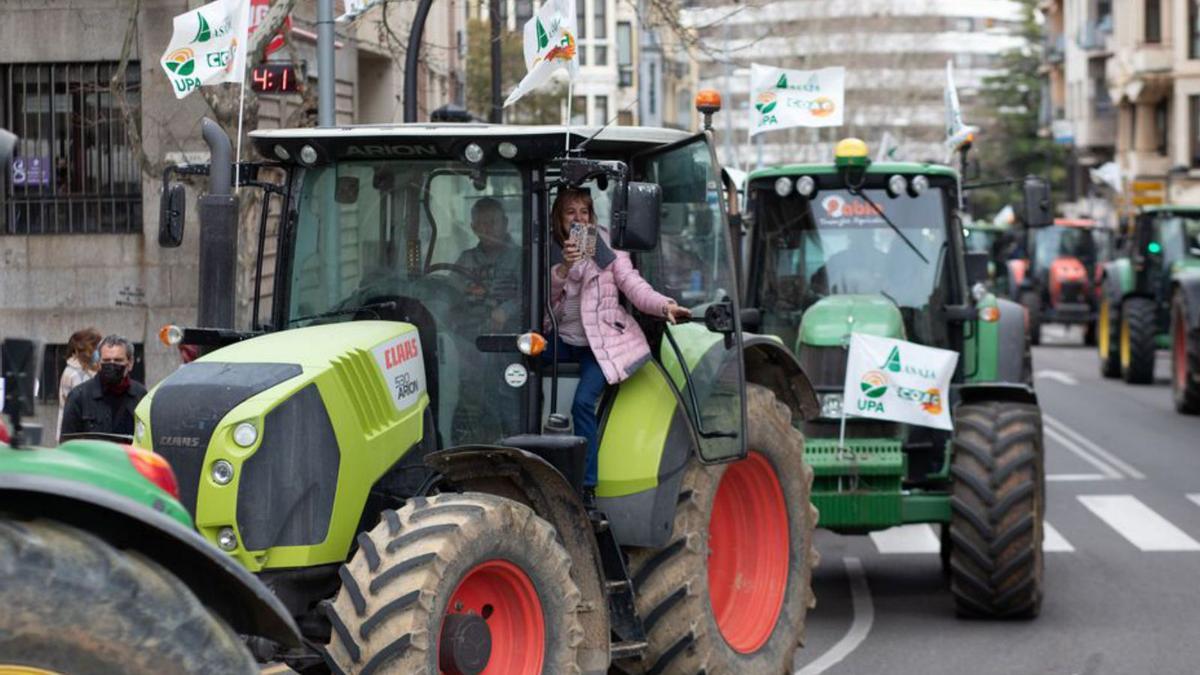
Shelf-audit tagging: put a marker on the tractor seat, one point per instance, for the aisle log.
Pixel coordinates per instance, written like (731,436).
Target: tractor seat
(568,454)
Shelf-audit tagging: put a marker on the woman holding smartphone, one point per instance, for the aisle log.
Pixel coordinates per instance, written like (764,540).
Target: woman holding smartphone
(594,330)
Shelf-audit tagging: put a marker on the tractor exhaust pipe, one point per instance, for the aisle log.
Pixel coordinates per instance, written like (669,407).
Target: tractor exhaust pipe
(218,234)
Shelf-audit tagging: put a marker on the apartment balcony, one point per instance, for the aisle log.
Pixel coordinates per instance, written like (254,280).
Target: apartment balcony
(1150,60)
(1146,163)
(1096,37)
(1098,128)
(1054,49)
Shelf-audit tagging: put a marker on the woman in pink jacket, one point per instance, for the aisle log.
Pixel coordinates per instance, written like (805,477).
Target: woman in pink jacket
(594,330)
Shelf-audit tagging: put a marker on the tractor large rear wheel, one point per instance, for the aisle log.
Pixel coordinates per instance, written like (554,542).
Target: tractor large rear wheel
(730,592)
(1185,359)
(457,583)
(1137,348)
(1108,339)
(71,603)
(997,505)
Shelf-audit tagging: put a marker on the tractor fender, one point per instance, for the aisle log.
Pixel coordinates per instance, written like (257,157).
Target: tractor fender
(770,364)
(524,477)
(1010,341)
(217,580)
(1116,279)
(1188,284)
(1013,392)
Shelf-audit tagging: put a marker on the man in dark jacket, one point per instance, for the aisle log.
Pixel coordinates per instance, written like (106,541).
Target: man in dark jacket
(105,403)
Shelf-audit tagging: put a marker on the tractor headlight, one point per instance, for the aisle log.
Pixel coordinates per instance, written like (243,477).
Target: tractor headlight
(783,186)
(507,150)
(831,405)
(139,431)
(897,185)
(245,434)
(806,186)
(308,154)
(473,153)
(282,153)
(919,184)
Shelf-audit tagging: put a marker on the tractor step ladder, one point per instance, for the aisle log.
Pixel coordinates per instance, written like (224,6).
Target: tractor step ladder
(629,636)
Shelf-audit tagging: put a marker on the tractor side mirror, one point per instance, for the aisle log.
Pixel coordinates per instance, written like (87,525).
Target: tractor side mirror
(7,142)
(172,208)
(1038,209)
(977,267)
(643,207)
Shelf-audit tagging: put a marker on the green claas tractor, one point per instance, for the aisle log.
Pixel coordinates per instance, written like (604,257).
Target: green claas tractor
(1150,300)
(385,449)
(856,247)
(100,569)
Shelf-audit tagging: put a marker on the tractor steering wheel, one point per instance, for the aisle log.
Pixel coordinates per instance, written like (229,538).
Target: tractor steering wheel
(470,274)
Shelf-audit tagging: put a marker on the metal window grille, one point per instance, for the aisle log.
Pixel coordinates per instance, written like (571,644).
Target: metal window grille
(73,171)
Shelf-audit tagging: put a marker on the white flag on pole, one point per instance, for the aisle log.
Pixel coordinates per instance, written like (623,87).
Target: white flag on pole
(899,381)
(796,98)
(208,46)
(549,43)
(957,133)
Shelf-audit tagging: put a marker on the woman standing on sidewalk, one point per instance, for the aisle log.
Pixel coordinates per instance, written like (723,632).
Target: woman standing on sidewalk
(82,364)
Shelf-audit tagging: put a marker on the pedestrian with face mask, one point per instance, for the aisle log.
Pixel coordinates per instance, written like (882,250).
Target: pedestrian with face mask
(83,359)
(105,403)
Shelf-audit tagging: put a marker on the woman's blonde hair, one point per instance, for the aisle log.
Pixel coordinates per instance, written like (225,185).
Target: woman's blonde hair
(560,206)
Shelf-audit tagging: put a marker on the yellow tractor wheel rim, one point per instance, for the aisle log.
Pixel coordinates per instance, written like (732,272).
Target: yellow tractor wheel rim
(1126,351)
(1102,330)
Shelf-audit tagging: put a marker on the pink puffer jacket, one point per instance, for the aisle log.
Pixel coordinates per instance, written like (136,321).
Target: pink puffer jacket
(615,338)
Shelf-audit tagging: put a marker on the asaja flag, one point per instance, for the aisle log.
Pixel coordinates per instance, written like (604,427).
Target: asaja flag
(781,99)
(549,43)
(208,46)
(899,381)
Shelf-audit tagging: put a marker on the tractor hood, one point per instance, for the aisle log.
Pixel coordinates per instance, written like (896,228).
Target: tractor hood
(311,347)
(829,322)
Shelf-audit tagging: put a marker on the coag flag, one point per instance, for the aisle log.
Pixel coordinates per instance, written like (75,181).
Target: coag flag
(549,43)
(208,46)
(782,98)
(899,381)
(957,133)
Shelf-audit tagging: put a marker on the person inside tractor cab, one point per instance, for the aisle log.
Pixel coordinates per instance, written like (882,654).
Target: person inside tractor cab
(495,261)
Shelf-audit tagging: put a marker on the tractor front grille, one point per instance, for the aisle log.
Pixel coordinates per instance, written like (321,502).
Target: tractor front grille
(1071,291)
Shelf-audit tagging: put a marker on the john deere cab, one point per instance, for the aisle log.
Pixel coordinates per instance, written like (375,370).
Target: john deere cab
(387,449)
(1150,300)
(877,249)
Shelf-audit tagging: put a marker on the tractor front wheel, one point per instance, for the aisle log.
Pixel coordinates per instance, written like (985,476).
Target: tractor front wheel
(1185,359)
(72,603)
(1138,328)
(1033,307)
(997,505)
(457,583)
(1108,340)
(730,592)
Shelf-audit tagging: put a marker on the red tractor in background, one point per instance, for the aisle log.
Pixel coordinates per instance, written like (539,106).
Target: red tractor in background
(1055,279)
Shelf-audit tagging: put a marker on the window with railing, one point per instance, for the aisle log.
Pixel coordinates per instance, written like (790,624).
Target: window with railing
(1153,16)
(600,31)
(1193,30)
(581,36)
(1162,126)
(624,54)
(73,170)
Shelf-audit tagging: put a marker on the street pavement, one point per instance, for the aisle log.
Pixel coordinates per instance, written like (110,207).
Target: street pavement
(1122,551)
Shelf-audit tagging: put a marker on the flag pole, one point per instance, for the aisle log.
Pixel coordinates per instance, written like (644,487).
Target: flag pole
(237,162)
(567,121)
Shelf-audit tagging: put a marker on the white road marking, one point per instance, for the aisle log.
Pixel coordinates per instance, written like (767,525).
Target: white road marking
(1073,477)
(1053,541)
(1138,523)
(1086,456)
(864,616)
(916,538)
(1094,448)
(1057,376)
(1195,498)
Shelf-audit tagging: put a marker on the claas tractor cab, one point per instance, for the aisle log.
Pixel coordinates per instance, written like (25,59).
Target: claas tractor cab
(385,448)
(1150,300)
(877,249)
(1056,281)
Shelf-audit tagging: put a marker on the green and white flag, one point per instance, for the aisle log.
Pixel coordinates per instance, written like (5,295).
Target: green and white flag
(208,46)
(549,43)
(897,380)
(781,99)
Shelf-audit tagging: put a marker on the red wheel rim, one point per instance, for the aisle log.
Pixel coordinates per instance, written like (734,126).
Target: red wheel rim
(1180,349)
(503,595)
(748,553)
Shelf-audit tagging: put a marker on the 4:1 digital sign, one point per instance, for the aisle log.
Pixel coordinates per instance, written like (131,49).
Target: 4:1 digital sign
(275,78)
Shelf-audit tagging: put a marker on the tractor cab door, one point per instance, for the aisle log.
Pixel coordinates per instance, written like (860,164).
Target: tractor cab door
(693,263)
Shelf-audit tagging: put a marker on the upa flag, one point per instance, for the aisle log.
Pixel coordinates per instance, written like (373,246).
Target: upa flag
(781,99)
(900,381)
(208,46)
(549,43)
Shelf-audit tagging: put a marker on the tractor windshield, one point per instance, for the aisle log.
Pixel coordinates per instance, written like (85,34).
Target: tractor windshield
(1060,241)
(1180,237)
(836,244)
(429,243)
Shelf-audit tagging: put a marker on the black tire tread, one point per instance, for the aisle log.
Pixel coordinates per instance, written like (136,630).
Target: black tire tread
(1143,326)
(1187,392)
(1110,363)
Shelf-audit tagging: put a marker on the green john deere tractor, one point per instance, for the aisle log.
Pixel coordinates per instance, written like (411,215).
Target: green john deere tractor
(1150,300)
(384,449)
(877,249)
(994,240)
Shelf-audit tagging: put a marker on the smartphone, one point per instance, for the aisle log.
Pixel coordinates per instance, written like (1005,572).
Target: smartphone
(584,238)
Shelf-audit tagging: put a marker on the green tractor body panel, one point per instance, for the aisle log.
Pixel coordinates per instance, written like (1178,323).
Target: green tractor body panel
(100,464)
(346,369)
(1120,273)
(829,321)
(981,349)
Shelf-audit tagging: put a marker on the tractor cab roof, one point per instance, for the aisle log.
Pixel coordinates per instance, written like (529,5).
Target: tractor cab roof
(882,168)
(1172,208)
(442,141)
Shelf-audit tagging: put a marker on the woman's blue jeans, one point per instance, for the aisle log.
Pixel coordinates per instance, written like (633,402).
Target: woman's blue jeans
(587,398)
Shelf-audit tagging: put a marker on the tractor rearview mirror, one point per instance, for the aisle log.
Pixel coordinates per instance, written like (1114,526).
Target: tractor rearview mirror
(172,208)
(18,359)
(643,206)
(1038,209)
(977,267)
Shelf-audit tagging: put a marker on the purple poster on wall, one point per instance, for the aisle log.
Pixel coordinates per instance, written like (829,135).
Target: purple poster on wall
(31,171)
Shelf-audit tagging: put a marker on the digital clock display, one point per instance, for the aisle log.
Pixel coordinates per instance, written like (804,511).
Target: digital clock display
(274,78)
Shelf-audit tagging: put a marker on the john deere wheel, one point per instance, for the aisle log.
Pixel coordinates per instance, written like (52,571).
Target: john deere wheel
(74,604)
(997,505)
(1108,339)
(457,583)
(1033,305)
(1185,360)
(1138,327)
(730,593)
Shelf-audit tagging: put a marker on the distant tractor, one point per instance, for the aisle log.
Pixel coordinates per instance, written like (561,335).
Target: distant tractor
(875,248)
(1056,282)
(1150,300)
(995,241)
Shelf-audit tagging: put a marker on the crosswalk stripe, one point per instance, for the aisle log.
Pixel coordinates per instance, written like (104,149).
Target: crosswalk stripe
(1053,541)
(917,538)
(1138,523)
(1195,498)
(1073,477)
